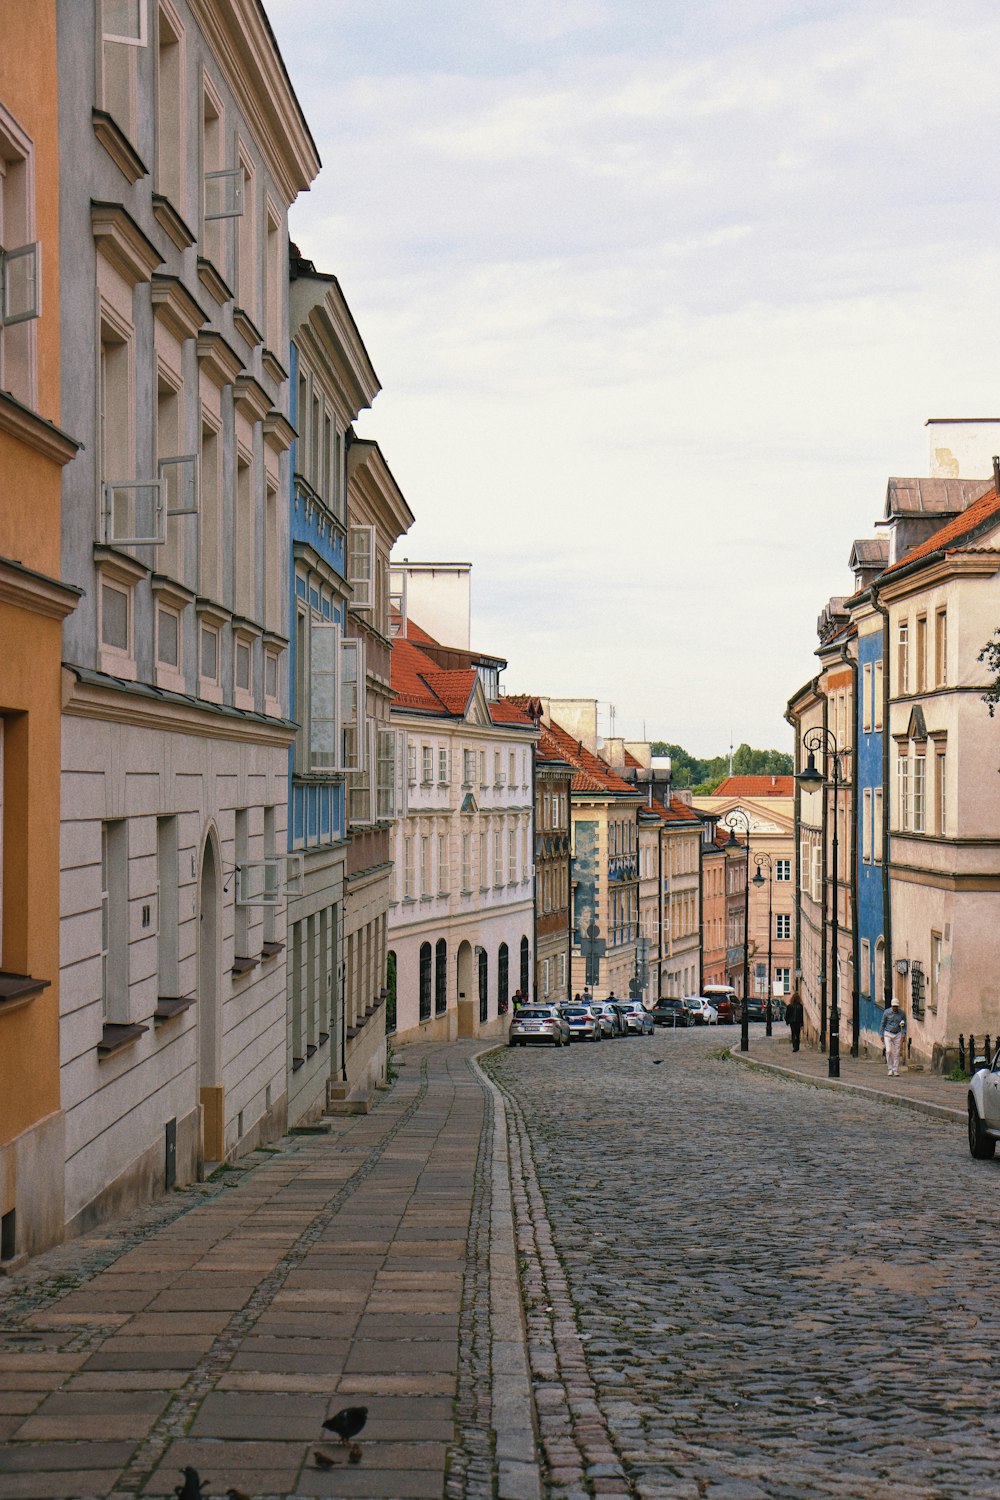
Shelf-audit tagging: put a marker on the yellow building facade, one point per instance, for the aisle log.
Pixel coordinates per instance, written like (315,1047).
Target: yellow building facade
(33,604)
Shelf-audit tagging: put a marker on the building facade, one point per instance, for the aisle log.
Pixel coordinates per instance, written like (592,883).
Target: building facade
(33,603)
(553,868)
(462,916)
(182,147)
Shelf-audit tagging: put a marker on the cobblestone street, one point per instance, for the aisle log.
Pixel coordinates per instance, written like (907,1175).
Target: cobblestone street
(751,1286)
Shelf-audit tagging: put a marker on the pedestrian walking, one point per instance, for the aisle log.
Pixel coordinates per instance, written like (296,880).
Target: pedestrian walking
(795,1016)
(892,1031)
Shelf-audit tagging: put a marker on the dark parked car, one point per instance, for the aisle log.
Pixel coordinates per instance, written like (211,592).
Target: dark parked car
(672,1013)
(756,1009)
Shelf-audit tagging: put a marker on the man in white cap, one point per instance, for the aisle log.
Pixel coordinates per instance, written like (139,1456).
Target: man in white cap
(892,1032)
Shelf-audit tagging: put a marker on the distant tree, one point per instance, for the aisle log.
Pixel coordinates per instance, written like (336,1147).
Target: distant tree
(703,776)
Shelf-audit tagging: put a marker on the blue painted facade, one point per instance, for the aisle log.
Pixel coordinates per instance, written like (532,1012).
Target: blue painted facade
(869,910)
(316,809)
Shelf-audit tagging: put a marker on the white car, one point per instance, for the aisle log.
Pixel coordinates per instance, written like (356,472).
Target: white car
(703,1012)
(984,1109)
(637,1017)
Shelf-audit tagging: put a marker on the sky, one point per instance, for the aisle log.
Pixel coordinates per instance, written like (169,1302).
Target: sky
(659,293)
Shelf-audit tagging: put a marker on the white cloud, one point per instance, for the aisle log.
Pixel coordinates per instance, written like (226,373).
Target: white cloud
(657,308)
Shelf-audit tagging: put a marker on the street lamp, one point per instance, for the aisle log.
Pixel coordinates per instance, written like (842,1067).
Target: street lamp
(820,738)
(739,819)
(764,861)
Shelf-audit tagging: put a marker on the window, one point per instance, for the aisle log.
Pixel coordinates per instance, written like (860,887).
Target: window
(484,869)
(512,767)
(20,263)
(116,616)
(866,825)
(360,565)
(246,241)
(783,981)
(782,869)
(385,785)
(168,637)
(352,707)
(440,977)
(482,768)
(274,280)
(919,764)
(425,866)
(425,981)
(920,645)
(484,1007)
(940,791)
(468,767)
(169,112)
(497,858)
(209,654)
(271,680)
(124,28)
(167,908)
(408,882)
(245,541)
(866,967)
(443,870)
(466,863)
(497,768)
(866,696)
(877,689)
(903,657)
(426,765)
(941,648)
(444,775)
(512,855)
(877,816)
(937,950)
(903,783)
(503,979)
(114,923)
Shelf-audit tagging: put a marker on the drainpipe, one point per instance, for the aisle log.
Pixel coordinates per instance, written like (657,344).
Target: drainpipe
(886,887)
(793,720)
(852,845)
(534,873)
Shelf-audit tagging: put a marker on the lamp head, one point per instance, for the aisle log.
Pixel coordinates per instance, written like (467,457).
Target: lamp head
(732,842)
(758,879)
(810,777)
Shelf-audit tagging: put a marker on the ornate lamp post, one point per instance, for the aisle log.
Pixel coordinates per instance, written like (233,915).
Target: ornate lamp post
(739,819)
(764,862)
(819,738)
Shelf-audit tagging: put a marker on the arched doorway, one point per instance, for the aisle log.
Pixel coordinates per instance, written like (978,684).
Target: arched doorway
(467,993)
(212,1095)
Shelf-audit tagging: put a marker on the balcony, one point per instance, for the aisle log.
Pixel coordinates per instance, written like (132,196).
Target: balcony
(623,867)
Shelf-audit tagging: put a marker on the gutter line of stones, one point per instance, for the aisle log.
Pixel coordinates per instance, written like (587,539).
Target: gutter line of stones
(902,1101)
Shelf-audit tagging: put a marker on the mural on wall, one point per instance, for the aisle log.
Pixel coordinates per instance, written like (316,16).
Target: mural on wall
(586,916)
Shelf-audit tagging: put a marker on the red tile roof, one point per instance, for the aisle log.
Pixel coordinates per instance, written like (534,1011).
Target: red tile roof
(756,786)
(676,812)
(592,773)
(979,513)
(419,683)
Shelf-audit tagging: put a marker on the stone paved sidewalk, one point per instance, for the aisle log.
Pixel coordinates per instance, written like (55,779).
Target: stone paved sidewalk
(371,1265)
(924,1091)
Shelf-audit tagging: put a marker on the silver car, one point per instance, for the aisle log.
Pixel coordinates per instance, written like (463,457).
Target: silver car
(637,1018)
(582,1022)
(538,1023)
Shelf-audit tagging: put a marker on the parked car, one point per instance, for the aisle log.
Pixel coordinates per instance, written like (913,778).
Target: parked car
(757,1009)
(613,1016)
(704,1013)
(538,1023)
(583,1023)
(984,1108)
(724,998)
(637,1017)
(671,1012)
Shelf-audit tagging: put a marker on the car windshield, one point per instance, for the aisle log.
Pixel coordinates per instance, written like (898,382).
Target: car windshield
(526,1014)
(576,1011)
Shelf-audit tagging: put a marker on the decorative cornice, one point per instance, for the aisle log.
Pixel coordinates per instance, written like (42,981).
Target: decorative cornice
(20,422)
(37,592)
(273,366)
(175,307)
(122,242)
(250,394)
(92,695)
(171,222)
(246,327)
(212,281)
(110,560)
(279,433)
(118,146)
(217,359)
(170,591)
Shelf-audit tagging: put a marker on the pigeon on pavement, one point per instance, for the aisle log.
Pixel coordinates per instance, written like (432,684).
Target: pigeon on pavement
(191,1488)
(347,1422)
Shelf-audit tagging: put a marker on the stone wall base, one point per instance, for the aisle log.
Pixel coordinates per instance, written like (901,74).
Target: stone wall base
(32,1174)
(144,1178)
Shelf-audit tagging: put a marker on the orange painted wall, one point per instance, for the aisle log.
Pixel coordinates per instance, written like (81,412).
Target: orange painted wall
(31,643)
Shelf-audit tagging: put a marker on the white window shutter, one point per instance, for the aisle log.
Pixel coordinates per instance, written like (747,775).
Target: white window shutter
(224,194)
(400,769)
(352,705)
(133,514)
(126,22)
(324,696)
(20,284)
(179,484)
(360,565)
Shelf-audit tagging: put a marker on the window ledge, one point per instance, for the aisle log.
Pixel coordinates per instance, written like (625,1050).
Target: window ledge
(116,1036)
(19,989)
(243,966)
(214,284)
(171,222)
(324,1037)
(168,1006)
(272,364)
(118,146)
(246,327)
(271,950)
(311,1049)
(297,1063)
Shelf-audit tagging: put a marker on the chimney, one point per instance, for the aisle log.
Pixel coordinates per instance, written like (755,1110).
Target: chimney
(996,473)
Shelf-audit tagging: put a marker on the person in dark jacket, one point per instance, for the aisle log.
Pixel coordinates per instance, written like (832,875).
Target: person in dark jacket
(794,1015)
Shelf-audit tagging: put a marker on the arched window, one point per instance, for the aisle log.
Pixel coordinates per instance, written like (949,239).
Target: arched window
(440,977)
(503,979)
(525,991)
(484,1004)
(425,981)
(880,972)
(390,985)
